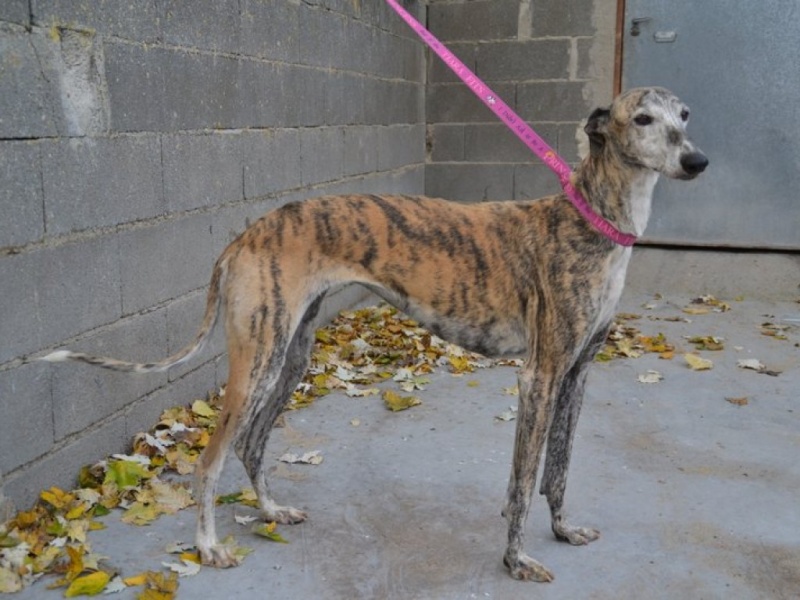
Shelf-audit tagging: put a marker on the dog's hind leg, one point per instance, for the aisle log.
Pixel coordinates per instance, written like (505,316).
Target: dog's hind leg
(559,445)
(251,444)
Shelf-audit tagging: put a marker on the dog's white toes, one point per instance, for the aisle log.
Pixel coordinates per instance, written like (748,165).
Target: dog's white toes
(218,556)
(285,515)
(577,536)
(524,568)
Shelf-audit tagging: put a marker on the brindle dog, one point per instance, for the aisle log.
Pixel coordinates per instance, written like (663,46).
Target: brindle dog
(499,278)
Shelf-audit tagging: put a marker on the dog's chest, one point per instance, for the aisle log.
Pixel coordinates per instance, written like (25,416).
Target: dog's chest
(612,290)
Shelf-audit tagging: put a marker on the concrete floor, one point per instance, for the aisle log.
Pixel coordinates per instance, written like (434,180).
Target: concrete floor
(695,497)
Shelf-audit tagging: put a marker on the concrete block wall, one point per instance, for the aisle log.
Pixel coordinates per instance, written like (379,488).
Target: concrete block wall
(136,140)
(550,60)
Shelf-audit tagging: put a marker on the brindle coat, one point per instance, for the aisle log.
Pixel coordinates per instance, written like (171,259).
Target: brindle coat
(500,278)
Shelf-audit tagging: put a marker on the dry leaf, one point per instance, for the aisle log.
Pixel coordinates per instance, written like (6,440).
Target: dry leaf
(650,377)
(395,402)
(309,458)
(267,530)
(185,568)
(507,415)
(697,363)
(88,585)
(742,401)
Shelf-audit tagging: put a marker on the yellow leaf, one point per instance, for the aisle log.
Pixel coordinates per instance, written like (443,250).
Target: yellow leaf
(135,580)
(141,514)
(9,581)
(191,556)
(473,383)
(395,402)
(75,566)
(267,530)
(170,497)
(88,585)
(57,498)
(202,409)
(697,363)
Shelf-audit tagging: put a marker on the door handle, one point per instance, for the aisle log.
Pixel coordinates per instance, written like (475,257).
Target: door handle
(636,24)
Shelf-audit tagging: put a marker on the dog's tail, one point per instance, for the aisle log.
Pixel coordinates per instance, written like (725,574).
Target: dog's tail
(213,302)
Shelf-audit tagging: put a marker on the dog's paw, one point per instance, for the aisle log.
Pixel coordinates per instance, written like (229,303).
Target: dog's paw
(524,568)
(219,556)
(577,536)
(285,515)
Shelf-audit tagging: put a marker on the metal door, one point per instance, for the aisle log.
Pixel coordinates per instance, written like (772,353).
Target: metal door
(736,63)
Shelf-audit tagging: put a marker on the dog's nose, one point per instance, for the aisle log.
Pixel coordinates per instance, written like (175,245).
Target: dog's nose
(694,163)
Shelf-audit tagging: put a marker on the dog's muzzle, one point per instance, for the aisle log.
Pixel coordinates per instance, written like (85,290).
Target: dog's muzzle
(693,164)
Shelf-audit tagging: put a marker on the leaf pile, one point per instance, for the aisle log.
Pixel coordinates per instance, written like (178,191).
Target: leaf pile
(626,341)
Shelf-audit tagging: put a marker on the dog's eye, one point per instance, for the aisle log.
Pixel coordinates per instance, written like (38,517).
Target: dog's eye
(684,115)
(643,119)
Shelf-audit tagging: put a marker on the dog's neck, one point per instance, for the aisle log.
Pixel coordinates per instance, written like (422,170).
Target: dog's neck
(620,192)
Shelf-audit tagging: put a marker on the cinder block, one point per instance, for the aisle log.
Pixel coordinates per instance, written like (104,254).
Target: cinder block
(76,288)
(569,135)
(496,143)
(27,408)
(270,29)
(20,193)
(478,20)
(138,20)
(205,24)
(266,98)
(400,146)
(456,103)
(184,317)
(521,61)
(20,327)
(344,99)
(305,100)
(534,181)
(164,261)
(271,161)
(470,182)
(143,415)
(321,154)
(29,105)
(572,18)
(393,102)
(439,72)
(158,89)
(95,182)
(554,101)
(15,11)
(360,150)
(445,143)
(324,42)
(202,170)
(61,468)
(84,395)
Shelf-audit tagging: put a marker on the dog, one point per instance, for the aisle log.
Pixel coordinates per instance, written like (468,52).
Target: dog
(530,278)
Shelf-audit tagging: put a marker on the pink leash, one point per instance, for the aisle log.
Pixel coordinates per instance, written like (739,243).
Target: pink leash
(513,121)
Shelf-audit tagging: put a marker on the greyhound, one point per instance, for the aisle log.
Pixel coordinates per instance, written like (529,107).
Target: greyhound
(529,278)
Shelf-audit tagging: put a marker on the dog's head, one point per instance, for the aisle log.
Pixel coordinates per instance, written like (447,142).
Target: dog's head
(647,128)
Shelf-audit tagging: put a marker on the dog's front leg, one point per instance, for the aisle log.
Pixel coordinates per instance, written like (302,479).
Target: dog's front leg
(535,404)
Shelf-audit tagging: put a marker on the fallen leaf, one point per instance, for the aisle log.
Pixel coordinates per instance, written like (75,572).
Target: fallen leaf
(114,586)
(650,377)
(9,581)
(309,458)
(88,585)
(185,568)
(697,363)
(136,580)
(507,415)
(706,342)
(756,365)
(395,402)
(202,409)
(244,519)
(355,422)
(267,530)
(742,401)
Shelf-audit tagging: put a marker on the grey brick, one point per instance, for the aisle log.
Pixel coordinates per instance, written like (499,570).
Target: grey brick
(202,170)
(572,18)
(400,146)
(478,20)
(447,103)
(267,97)
(164,261)
(324,42)
(94,182)
(157,89)
(470,182)
(84,394)
(445,143)
(15,11)
(439,72)
(496,143)
(322,154)
(143,415)
(270,29)
(61,468)
(344,99)
(587,69)
(271,161)
(305,90)
(138,20)
(184,317)
(360,150)
(29,105)
(205,24)
(393,102)
(26,406)
(520,61)
(555,101)
(568,136)
(20,194)
(534,181)
(50,295)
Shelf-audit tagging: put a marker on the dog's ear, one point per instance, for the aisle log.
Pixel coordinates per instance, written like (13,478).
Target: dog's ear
(597,127)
